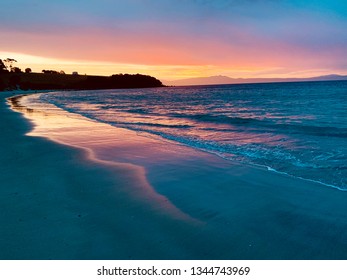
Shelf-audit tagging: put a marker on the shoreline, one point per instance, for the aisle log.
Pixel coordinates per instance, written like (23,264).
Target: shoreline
(74,124)
(251,165)
(80,189)
(203,206)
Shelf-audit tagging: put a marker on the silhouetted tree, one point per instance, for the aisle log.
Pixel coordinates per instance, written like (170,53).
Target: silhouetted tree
(9,63)
(27,70)
(2,66)
(62,72)
(16,70)
(49,72)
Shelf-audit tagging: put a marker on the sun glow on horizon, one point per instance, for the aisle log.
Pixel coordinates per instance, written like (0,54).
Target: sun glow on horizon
(238,39)
(163,72)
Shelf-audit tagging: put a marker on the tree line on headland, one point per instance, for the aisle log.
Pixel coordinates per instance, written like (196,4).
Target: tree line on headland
(13,78)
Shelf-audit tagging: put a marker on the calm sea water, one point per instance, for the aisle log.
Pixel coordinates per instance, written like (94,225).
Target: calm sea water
(295,128)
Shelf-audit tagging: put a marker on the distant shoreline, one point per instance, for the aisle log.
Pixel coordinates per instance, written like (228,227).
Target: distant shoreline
(48,81)
(224,80)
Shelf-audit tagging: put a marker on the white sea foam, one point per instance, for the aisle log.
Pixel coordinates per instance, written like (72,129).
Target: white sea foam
(292,132)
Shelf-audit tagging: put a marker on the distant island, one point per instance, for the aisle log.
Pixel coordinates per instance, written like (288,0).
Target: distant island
(13,78)
(219,80)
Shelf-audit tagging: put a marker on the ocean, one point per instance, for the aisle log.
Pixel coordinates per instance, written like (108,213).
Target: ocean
(299,129)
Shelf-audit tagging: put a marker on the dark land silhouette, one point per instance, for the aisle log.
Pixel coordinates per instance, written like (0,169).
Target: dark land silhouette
(45,81)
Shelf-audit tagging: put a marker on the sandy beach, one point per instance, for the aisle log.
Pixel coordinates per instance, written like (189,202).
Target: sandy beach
(71,188)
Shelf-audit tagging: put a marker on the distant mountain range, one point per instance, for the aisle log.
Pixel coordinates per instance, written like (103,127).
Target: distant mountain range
(219,80)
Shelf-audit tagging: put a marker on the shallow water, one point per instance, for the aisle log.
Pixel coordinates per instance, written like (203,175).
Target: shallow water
(296,128)
(153,198)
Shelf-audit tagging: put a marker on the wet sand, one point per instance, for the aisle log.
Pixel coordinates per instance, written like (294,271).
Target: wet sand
(72,188)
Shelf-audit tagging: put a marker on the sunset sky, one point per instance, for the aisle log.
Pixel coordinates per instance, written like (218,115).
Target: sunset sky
(174,39)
